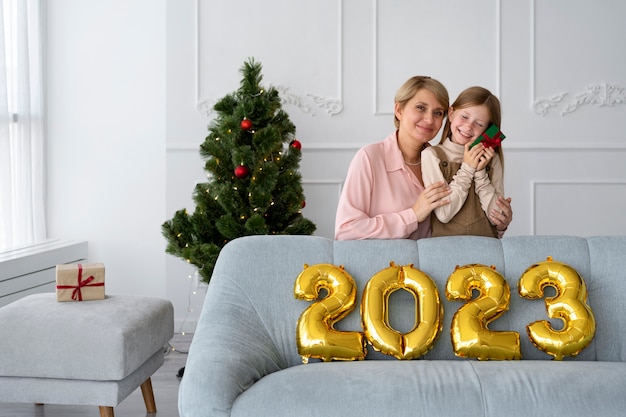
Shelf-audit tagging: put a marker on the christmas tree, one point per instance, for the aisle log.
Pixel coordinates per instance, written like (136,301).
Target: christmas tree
(254,188)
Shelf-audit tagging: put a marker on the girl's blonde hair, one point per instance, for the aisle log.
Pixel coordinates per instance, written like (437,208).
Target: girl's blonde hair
(408,90)
(477,96)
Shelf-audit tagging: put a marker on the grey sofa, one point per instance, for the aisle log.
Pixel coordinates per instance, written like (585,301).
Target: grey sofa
(244,360)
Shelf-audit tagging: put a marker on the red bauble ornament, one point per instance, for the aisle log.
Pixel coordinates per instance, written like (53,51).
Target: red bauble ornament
(296,144)
(241,171)
(303,203)
(246,124)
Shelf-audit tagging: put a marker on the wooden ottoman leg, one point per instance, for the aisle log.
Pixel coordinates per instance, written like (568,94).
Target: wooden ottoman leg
(148,396)
(106,411)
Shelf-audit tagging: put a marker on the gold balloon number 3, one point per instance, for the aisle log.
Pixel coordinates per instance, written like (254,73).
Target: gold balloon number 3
(569,305)
(317,338)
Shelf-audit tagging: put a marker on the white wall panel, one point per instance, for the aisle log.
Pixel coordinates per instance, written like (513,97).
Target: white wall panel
(577,35)
(302,41)
(532,174)
(578,73)
(324,170)
(579,208)
(457,44)
(322,198)
(105,135)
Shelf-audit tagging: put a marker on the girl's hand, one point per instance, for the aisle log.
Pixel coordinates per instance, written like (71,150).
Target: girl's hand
(432,197)
(472,156)
(484,159)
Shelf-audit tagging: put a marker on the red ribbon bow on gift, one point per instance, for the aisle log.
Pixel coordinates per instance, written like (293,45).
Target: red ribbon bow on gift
(77,294)
(493,142)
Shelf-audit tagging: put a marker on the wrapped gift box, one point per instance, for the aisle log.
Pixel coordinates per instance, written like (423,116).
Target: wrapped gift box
(492,138)
(80,282)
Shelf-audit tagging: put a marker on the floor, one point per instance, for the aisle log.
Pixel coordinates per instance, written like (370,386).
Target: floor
(164,384)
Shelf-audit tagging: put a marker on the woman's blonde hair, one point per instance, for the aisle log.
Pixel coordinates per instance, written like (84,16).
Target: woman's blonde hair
(408,90)
(477,96)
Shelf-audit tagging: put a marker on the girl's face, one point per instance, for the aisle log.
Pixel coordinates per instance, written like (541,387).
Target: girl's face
(466,124)
(421,117)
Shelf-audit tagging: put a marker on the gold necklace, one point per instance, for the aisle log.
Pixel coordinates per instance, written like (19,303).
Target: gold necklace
(413,164)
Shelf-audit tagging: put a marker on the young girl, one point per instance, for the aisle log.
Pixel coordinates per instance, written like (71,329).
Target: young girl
(475,175)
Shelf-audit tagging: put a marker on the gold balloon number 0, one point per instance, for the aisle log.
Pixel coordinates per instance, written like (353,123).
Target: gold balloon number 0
(317,338)
(428,315)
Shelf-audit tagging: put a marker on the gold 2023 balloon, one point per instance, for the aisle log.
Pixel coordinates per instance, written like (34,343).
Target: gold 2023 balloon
(315,335)
(470,336)
(569,305)
(428,313)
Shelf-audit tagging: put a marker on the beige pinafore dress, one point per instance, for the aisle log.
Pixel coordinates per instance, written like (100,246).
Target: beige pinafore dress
(471,219)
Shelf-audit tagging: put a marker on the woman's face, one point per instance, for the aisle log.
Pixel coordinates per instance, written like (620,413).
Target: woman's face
(468,123)
(421,117)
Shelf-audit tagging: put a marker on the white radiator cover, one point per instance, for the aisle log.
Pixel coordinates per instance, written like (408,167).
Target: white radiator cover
(32,269)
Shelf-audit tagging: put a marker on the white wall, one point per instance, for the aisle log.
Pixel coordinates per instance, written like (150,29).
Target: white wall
(130,83)
(188,127)
(106,119)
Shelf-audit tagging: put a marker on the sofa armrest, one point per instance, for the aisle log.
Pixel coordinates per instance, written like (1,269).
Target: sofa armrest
(230,351)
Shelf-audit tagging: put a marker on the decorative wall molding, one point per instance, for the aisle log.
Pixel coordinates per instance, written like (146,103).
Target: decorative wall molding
(205,106)
(599,94)
(332,106)
(543,105)
(304,103)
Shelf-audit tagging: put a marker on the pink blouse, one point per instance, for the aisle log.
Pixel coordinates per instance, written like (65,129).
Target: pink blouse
(378,196)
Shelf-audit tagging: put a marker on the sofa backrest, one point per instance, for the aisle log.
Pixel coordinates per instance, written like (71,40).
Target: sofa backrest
(253,285)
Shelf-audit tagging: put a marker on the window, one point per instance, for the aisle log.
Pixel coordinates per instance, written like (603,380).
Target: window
(22,216)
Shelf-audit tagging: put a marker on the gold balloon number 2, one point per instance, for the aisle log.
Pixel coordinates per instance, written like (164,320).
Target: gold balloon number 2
(471,337)
(315,333)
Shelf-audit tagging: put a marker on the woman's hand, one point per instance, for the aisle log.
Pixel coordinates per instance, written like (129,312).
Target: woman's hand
(432,197)
(503,216)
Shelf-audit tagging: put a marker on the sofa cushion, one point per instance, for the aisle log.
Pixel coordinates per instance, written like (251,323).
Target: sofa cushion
(437,388)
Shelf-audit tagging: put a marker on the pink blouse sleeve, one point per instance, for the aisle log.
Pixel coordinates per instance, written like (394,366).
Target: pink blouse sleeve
(367,208)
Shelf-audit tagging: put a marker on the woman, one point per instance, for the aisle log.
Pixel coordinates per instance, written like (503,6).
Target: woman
(383,196)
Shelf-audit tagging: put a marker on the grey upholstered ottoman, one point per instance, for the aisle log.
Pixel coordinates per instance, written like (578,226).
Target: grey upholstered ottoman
(93,352)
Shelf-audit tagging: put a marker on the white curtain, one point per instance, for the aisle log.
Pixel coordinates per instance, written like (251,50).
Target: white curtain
(22,192)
